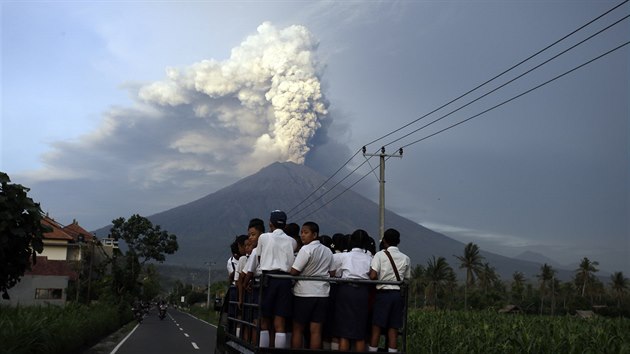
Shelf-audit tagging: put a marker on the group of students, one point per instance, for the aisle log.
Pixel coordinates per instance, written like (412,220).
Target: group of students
(291,310)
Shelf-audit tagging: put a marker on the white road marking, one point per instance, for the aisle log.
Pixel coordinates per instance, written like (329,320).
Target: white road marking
(124,339)
(181,329)
(186,334)
(195,345)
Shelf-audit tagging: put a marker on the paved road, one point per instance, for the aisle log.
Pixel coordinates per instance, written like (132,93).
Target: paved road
(177,333)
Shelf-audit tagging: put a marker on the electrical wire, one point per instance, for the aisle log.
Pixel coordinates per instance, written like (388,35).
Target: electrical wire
(499,75)
(519,95)
(452,101)
(326,181)
(514,79)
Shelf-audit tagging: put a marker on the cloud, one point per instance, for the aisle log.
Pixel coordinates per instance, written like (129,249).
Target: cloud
(198,129)
(262,104)
(472,235)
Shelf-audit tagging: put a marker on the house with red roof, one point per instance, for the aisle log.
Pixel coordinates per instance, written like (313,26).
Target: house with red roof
(55,267)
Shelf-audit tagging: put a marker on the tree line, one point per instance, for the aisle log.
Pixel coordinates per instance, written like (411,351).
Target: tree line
(435,285)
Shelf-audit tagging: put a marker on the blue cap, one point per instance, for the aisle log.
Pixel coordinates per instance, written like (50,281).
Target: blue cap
(278,218)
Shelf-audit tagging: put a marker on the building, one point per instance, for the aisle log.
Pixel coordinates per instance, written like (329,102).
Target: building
(58,264)
(47,281)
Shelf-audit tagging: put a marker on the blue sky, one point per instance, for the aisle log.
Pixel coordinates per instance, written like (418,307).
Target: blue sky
(114,108)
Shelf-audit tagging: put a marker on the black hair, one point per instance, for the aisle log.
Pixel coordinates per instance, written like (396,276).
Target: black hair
(370,245)
(340,242)
(240,239)
(313,227)
(257,224)
(326,241)
(359,239)
(234,248)
(292,230)
(392,237)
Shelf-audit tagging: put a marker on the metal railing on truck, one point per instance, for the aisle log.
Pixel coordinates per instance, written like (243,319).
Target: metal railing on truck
(231,341)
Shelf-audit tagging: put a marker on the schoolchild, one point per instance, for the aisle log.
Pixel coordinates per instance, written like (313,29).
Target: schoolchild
(231,262)
(240,285)
(232,290)
(352,299)
(388,265)
(276,251)
(339,246)
(251,279)
(310,297)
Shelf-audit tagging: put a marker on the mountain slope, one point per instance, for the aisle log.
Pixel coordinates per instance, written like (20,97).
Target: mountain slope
(207,226)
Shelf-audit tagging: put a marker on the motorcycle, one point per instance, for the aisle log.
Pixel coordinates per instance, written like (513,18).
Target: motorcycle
(138,313)
(162,311)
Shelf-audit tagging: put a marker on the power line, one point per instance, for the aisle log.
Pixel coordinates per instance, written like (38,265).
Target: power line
(499,75)
(333,187)
(343,192)
(514,79)
(326,181)
(519,95)
(468,119)
(450,102)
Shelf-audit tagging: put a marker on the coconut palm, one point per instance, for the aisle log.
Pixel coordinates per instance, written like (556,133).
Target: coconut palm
(471,261)
(546,277)
(417,282)
(437,276)
(518,284)
(620,285)
(585,273)
(487,277)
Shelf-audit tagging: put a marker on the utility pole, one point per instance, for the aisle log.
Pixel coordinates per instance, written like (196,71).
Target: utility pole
(381,196)
(210,264)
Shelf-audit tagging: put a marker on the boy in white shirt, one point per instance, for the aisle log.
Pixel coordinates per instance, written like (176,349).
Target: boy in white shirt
(276,251)
(388,265)
(310,297)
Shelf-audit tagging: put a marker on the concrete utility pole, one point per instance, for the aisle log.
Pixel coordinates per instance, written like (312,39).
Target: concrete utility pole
(381,197)
(210,264)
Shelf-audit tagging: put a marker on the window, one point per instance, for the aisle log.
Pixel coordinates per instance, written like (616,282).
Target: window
(48,294)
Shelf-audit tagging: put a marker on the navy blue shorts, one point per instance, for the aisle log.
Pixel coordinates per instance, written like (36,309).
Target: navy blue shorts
(388,309)
(310,309)
(232,296)
(250,313)
(351,311)
(277,299)
(327,330)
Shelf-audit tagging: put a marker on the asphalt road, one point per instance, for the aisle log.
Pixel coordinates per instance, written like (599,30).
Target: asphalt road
(178,333)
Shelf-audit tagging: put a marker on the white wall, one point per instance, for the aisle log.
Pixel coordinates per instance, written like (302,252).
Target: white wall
(24,292)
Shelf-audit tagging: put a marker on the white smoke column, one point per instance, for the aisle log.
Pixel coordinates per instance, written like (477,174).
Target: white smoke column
(266,98)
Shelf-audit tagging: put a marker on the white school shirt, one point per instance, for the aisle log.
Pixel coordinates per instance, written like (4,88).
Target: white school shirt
(242,261)
(276,251)
(313,260)
(231,266)
(253,265)
(336,263)
(382,266)
(355,264)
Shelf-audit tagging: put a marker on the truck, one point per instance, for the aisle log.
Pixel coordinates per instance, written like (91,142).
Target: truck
(235,322)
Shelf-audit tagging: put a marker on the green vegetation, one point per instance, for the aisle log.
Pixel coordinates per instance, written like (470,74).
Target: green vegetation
(53,329)
(436,286)
(491,332)
(21,232)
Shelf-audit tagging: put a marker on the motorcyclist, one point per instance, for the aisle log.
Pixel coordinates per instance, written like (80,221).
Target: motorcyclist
(162,306)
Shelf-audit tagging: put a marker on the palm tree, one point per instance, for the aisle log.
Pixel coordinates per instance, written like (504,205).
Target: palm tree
(619,285)
(471,261)
(437,276)
(518,284)
(585,272)
(546,275)
(487,277)
(417,282)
